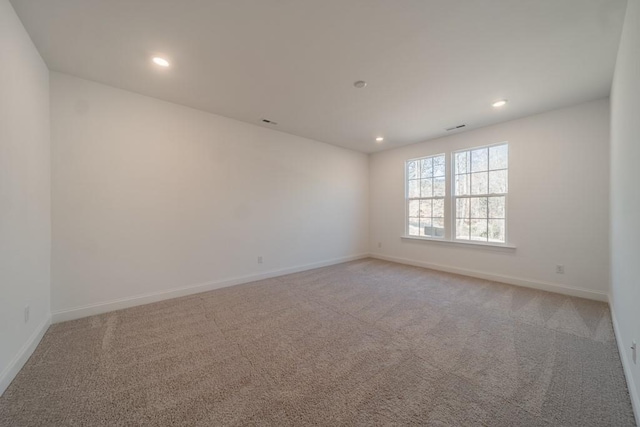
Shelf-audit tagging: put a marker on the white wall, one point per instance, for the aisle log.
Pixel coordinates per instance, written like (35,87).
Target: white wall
(558,202)
(625,197)
(150,196)
(25,215)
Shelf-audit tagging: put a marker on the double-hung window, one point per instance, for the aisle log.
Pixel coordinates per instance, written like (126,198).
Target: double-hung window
(426,191)
(480,193)
(475,207)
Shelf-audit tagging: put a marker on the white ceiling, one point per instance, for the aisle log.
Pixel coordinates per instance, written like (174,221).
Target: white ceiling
(429,64)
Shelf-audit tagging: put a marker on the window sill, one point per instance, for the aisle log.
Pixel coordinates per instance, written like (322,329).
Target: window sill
(479,245)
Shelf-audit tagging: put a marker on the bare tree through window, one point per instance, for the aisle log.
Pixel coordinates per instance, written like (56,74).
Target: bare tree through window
(480,193)
(426,190)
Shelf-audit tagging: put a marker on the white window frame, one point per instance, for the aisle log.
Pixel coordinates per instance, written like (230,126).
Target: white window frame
(443,198)
(450,198)
(454,197)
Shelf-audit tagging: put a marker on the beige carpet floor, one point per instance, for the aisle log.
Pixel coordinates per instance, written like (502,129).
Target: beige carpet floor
(361,343)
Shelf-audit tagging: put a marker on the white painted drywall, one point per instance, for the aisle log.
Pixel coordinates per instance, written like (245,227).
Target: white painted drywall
(558,201)
(150,196)
(25,213)
(625,196)
(428,62)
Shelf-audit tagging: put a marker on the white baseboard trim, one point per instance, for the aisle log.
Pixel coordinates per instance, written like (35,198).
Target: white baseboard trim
(626,366)
(23,355)
(543,286)
(118,304)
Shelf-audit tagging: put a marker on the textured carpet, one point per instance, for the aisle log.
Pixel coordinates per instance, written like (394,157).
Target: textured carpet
(362,343)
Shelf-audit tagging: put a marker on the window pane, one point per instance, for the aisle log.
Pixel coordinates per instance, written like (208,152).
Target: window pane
(498,181)
(438,208)
(463,188)
(438,227)
(425,226)
(479,207)
(414,207)
(479,229)
(427,187)
(462,229)
(479,183)
(412,170)
(438,166)
(425,208)
(499,157)
(414,188)
(427,168)
(414,227)
(496,230)
(496,207)
(462,162)
(479,160)
(462,208)
(438,186)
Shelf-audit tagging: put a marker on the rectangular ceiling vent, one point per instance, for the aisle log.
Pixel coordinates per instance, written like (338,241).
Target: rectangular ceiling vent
(455,128)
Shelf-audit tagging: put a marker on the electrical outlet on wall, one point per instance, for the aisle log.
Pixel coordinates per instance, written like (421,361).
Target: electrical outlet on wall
(260,259)
(26,314)
(379,245)
(560,269)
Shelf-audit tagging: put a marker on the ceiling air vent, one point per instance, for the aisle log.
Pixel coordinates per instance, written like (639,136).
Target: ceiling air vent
(455,128)
(271,122)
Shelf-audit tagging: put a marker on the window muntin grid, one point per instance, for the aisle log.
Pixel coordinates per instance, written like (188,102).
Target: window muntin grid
(426,191)
(480,187)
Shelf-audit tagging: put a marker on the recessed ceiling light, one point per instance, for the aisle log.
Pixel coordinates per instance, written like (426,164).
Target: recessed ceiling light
(500,103)
(360,84)
(160,61)
(379,139)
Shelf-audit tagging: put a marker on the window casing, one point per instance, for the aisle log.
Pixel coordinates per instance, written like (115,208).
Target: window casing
(466,204)
(480,188)
(426,191)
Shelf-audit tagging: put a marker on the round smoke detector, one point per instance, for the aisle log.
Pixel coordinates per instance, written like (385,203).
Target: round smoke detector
(360,84)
